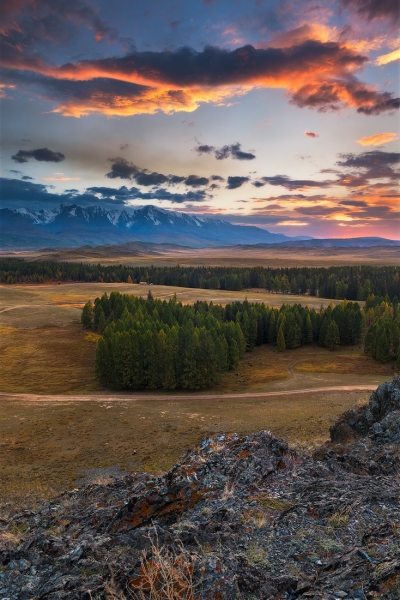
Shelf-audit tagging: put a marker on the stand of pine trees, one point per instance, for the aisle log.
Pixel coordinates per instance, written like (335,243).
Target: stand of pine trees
(353,283)
(150,344)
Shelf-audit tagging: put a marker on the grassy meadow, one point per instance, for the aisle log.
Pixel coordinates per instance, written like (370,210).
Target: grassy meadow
(46,441)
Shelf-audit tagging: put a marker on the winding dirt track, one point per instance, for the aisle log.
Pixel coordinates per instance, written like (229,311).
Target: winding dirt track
(168,397)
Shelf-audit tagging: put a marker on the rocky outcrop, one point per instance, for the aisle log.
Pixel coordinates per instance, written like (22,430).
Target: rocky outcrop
(366,440)
(237,518)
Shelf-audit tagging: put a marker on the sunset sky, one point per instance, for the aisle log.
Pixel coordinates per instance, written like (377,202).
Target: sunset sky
(280,114)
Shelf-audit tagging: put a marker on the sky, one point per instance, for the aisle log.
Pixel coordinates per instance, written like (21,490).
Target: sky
(276,113)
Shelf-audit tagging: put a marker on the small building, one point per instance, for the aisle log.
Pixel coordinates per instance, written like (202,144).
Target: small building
(143,283)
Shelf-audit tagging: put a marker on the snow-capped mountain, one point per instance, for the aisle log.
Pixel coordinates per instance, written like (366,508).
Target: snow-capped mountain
(72,225)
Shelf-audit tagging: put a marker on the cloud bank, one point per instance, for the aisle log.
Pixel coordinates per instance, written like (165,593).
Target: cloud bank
(314,74)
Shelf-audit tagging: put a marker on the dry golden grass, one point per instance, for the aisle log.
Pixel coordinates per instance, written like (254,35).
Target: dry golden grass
(67,299)
(53,360)
(359,364)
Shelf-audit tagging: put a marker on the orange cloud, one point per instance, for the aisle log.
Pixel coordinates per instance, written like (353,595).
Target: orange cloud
(307,31)
(378,139)
(384,59)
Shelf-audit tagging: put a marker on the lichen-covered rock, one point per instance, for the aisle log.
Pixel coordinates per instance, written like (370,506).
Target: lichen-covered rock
(236,518)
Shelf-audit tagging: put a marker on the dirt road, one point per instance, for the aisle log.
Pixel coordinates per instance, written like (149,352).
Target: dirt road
(101,397)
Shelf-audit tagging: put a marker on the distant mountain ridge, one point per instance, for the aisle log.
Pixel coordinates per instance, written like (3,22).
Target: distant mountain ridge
(72,225)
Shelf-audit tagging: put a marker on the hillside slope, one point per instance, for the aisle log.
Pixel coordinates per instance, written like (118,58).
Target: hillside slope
(243,517)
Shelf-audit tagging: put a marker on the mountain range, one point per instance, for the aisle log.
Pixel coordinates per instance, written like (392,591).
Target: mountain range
(71,226)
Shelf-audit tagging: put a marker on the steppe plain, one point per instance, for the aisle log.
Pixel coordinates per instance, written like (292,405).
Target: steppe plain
(59,428)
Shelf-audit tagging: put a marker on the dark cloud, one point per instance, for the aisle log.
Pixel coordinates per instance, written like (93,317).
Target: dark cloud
(380,211)
(216,178)
(375,164)
(236,182)
(162,194)
(26,178)
(195,181)
(125,194)
(237,153)
(121,168)
(295,184)
(18,193)
(222,153)
(368,160)
(311,134)
(375,9)
(107,192)
(355,203)
(318,210)
(147,179)
(26,194)
(204,149)
(232,150)
(124,146)
(41,154)
(258,184)
(27,21)
(173,179)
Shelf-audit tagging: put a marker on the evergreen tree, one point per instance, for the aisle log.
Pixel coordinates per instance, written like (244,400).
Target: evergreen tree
(101,321)
(322,331)
(308,335)
(332,338)
(383,347)
(87,315)
(280,340)
(292,331)
(370,340)
(272,329)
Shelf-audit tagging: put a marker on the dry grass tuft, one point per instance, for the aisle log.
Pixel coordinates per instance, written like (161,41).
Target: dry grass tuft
(164,576)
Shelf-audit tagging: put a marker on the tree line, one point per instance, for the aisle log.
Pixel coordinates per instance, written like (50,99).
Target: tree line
(151,343)
(352,283)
